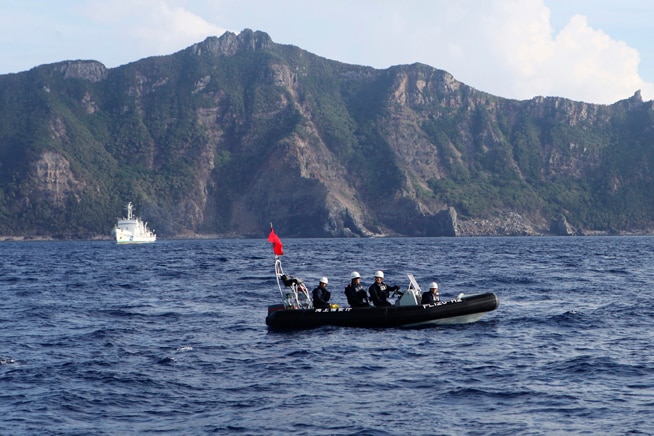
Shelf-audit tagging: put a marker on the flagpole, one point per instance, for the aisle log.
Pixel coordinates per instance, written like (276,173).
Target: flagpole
(271,229)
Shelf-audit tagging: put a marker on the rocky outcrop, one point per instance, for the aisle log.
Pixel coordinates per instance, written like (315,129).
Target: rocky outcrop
(444,223)
(561,227)
(230,44)
(91,71)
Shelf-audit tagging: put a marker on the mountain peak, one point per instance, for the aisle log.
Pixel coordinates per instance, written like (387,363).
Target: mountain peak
(229,43)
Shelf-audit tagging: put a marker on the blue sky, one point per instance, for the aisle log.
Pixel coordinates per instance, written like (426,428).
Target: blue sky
(597,51)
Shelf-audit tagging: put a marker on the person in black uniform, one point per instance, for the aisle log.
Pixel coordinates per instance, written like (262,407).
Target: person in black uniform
(321,295)
(356,295)
(431,296)
(380,291)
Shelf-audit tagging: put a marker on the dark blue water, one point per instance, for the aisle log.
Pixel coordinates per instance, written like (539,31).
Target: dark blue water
(170,338)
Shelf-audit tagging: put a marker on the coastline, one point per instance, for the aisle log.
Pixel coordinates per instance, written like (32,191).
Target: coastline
(12,238)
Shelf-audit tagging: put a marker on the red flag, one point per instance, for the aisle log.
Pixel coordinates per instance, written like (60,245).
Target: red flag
(277,243)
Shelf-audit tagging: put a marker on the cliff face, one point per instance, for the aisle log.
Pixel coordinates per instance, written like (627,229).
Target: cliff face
(236,132)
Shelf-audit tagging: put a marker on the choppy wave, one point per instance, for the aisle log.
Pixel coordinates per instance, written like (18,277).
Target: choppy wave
(170,338)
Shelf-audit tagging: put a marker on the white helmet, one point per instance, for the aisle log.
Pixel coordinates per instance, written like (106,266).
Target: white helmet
(324,280)
(355,275)
(379,274)
(433,285)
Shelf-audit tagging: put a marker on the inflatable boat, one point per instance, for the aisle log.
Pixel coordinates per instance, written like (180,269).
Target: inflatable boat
(297,312)
(464,309)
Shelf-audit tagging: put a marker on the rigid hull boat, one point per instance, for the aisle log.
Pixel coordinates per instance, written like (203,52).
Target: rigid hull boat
(132,230)
(297,312)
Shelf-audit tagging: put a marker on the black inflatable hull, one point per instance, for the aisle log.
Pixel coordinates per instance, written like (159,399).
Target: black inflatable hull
(468,309)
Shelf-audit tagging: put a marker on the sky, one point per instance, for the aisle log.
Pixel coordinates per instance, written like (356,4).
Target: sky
(596,51)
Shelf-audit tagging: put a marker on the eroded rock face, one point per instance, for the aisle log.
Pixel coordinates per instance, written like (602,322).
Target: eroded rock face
(53,179)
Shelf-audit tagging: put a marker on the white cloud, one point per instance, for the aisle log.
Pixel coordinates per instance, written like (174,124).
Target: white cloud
(514,52)
(151,27)
(171,27)
(587,64)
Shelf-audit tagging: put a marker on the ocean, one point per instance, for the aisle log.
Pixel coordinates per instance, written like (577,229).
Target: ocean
(170,338)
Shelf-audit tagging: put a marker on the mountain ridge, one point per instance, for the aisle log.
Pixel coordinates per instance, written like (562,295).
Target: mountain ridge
(236,131)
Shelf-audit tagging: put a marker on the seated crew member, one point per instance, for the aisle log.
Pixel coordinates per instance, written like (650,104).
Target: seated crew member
(431,296)
(356,295)
(380,291)
(321,295)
